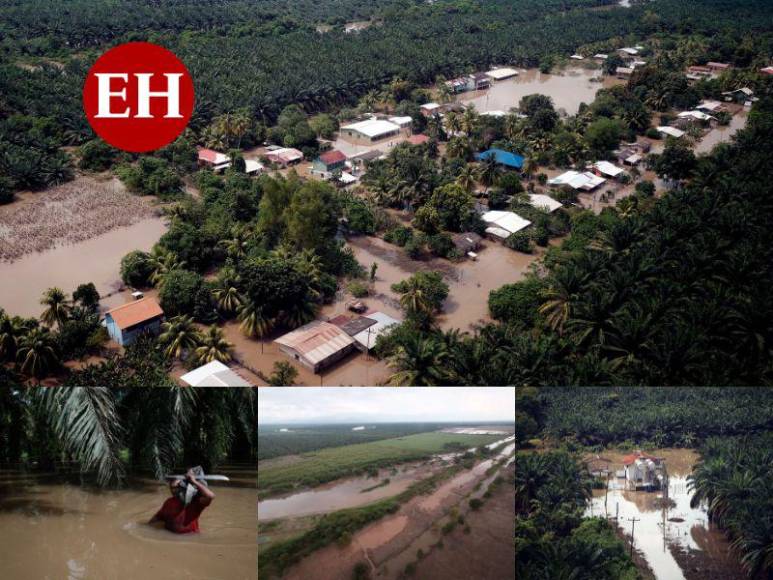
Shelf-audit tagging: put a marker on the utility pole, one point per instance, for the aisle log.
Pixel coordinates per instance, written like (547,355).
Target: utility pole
(633,526)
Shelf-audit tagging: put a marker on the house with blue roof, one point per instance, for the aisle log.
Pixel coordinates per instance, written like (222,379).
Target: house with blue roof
(502,157)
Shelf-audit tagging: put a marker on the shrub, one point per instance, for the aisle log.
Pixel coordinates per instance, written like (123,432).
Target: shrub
(442,245)
(476,503)
(179,291)
(520,242)
(357,289)
(136,269)
(399,236)
(361,571)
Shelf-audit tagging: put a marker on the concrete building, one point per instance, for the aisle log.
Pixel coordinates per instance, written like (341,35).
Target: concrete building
(316,345)
(329,162)
(369,131)
(644,472)
(127,322)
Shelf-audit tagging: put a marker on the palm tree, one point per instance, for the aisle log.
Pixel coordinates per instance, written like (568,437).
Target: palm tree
(226,291)
(453,123)
(58,307)
(162,262)
(37,352)
(254,323)
(467,178)
(11,331)
(561,293)
(236,246)
(179,335)
(213,346)
(419,362)
(469,120)
(489,171)
(414,301)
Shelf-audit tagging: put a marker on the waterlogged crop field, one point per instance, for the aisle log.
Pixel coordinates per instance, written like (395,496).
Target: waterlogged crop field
(309,469)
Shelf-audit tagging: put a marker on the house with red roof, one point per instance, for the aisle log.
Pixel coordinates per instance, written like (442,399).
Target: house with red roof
(644,471)
(127,322)
(329,162)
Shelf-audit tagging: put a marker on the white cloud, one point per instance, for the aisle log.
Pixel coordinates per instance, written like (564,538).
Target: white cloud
(385,404)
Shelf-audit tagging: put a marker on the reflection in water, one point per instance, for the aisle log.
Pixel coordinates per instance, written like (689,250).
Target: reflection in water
(663,522)
(567,90)
(50,528)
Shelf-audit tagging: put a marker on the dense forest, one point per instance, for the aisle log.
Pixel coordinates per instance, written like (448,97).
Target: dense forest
(108,433)
(660,416)
(552,539)
(730,428)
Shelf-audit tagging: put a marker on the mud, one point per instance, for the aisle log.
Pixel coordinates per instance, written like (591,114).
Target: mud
(568,89)
(666,525)
(52,527)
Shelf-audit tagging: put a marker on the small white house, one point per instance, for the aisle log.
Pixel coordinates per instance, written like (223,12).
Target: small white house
(644,472)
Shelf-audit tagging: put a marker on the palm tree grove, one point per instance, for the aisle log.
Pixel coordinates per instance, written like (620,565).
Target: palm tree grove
(216,209)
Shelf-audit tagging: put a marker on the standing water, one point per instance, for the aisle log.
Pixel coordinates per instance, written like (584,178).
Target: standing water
(55,527)
(667,531)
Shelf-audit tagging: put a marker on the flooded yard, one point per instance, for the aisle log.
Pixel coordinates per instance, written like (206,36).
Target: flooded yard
(69,235)
(667,531)
(722,134)
(568,89)
(53,527)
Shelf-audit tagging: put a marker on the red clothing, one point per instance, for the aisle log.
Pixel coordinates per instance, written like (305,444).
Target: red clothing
(178,517)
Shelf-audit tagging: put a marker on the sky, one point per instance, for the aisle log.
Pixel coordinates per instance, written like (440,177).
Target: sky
(384,404)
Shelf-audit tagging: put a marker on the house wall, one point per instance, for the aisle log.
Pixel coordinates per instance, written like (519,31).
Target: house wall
(358,138)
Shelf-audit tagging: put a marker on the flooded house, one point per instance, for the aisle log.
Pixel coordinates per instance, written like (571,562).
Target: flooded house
(544,202)
(429,109)
(214,374)
(606,168)
(502,73)
(127,322)
(466,243)
(586,181)
(316,345)
(695,118)
(478,81)
(644,472)
(366,329)
(502,224)
(666,131)
(742,95)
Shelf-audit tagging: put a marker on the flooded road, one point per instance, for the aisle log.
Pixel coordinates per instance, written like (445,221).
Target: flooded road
(567,89)
(97,260)
(665,524)
(50,527)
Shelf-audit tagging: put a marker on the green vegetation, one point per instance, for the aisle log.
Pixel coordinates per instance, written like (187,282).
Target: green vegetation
(552,540)
(735,478)
(108,432)
(318,467)
(661,417)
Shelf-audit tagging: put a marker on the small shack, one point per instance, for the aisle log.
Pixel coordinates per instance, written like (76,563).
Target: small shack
(467,242)
(127,322)
(284,156)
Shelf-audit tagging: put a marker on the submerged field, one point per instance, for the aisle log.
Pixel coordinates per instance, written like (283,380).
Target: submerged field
(325,465)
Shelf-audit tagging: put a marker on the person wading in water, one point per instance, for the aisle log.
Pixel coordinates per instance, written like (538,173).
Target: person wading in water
(175,514)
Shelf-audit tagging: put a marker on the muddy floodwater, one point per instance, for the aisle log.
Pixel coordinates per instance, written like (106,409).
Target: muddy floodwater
(568,89)
(356,491)
(667,527)
(721,134)
(53,527)
(97,260)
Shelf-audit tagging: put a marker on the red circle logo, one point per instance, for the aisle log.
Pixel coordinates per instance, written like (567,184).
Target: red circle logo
(138,97)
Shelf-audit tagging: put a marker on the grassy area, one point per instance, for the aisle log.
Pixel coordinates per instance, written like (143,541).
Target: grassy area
(318,467)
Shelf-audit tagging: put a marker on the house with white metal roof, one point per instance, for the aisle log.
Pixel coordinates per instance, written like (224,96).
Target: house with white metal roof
(542,201)
(502,224)
(671,131)
(502,73)
(586,181)
(607,168)
(369,131)
(214,374)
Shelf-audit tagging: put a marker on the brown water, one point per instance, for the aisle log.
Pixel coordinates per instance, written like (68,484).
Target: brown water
(96,260)
(721,134)
(339,495)
(567,89)
(655,533)
(50,528)
(469,281)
